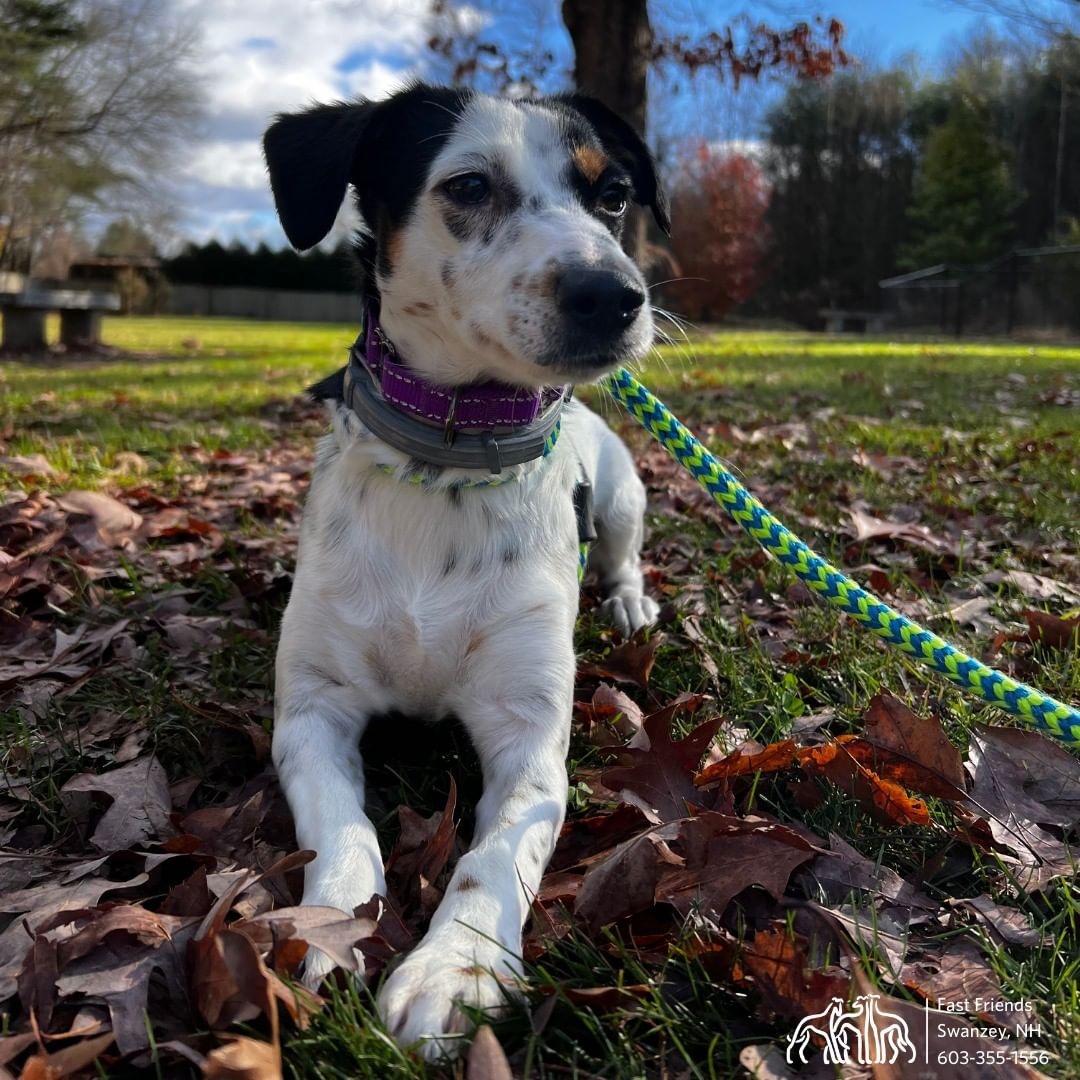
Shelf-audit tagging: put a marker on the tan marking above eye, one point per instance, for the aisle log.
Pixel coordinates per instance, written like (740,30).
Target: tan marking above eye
(591,162)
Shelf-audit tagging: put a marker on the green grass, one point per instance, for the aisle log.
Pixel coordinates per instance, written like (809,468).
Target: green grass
(965,437)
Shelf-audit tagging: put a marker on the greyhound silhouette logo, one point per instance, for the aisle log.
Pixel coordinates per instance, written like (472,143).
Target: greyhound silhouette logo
(865,1034)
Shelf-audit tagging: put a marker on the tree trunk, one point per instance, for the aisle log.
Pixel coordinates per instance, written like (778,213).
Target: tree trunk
(611,63)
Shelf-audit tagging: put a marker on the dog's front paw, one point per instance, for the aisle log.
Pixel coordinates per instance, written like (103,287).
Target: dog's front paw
(420,1003)
(628,614)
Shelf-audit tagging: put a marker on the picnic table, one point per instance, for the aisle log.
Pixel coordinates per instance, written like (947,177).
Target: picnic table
(80,316)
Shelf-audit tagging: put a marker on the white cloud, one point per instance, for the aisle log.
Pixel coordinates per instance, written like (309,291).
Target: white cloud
(258,58)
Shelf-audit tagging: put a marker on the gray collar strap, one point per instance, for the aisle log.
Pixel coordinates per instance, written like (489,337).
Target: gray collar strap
(492,450)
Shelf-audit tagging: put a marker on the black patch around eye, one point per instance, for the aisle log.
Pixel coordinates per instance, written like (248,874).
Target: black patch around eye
(588,194)
(481,221)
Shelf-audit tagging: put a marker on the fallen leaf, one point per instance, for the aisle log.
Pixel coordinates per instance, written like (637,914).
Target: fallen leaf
(660,778)
(958,974)
(140,803)
(632,662)
(1052,631)
(420,855)
(625,881)
(787,982)
(67,1062)
(844,869)
(112,517)
(885,799)
(919,740)
(725,855)
(1008,923)
(1035,586)
(243,1058)
(487,1060)
(1023,775)
(743,762)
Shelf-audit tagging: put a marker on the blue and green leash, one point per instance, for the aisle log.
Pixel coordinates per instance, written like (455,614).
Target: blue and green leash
(1034,708)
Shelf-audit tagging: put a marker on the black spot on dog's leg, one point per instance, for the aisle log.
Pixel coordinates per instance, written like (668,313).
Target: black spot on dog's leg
(451,562)
(510,554)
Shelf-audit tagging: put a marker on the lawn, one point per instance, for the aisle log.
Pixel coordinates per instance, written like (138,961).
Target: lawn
(138,633)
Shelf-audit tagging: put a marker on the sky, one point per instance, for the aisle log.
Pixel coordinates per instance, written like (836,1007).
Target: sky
(259,57)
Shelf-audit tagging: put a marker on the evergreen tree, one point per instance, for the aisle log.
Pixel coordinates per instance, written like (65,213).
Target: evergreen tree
(964,199)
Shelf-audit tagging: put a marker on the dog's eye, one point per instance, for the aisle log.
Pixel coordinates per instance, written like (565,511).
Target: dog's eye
(613,200)
(470,189)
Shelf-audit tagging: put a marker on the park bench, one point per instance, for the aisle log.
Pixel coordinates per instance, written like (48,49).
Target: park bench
(80,316)
(866,322)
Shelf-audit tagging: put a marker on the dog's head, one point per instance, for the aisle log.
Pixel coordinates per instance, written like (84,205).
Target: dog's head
(492,226)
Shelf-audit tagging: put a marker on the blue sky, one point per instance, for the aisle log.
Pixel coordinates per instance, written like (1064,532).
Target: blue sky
(259,58)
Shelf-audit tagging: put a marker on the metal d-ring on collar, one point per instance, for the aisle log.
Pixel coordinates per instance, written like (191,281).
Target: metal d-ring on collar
(492,450)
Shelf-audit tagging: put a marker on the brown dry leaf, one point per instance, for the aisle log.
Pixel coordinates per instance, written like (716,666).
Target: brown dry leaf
(41,905)
(116,957)
(140,803)
(67,1062)
(632,662)
(768,1062)
(725,855)
(886,800)
(1008,923)
(1035,586)
(1052,631)
(585,838)
(27,465)
(420,855)
(626,880)
(659,779)
(743,762)
(1025,776)
(112,517)
(242,1058)
(325,928)
(892,726)
(487,1060)
(612,707)
(956,974)
(787,981)
(866,526)
(844,869)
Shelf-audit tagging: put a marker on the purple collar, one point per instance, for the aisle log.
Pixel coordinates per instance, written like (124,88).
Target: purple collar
(479,405)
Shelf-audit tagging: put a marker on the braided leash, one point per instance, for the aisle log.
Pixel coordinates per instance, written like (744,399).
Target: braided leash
(1036,709)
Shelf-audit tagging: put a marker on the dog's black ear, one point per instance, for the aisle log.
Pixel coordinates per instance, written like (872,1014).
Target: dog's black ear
(311,156)
(627,147)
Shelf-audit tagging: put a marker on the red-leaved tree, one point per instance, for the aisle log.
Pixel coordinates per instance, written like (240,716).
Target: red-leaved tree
(718,232)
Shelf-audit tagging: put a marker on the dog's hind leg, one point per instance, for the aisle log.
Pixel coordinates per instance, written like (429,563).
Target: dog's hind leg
(619,497)
(317,755)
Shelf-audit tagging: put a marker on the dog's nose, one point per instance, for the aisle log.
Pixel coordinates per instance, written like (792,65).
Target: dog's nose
(600,301)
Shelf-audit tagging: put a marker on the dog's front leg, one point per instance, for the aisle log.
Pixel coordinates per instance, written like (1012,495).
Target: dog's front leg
(317,755)
(472,952)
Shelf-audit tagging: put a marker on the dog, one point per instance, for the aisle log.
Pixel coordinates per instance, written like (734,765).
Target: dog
(434,583)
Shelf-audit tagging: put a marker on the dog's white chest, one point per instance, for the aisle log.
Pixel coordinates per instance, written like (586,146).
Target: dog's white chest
(416,590)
